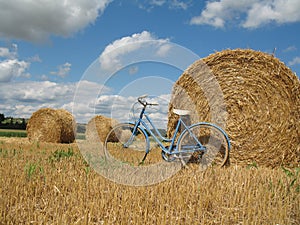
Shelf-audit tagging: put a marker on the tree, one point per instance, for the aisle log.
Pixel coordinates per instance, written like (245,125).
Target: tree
(23,124)
(2,117)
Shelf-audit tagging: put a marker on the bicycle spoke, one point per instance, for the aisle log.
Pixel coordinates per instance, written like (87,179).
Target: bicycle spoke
(124,145)
(213,148)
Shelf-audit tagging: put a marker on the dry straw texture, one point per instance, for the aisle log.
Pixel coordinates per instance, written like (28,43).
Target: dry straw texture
(45,184)
(259,106)
(68,126)
(50,125)
(98,128)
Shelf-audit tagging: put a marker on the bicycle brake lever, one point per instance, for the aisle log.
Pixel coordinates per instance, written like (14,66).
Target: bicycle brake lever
(144,103)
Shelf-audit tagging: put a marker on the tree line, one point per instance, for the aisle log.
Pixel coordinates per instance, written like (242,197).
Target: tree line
(12,123)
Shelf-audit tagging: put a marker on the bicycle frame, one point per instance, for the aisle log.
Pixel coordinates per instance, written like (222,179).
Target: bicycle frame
(140,123)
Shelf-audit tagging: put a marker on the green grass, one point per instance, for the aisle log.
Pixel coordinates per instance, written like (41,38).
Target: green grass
(23,133)
(12,133)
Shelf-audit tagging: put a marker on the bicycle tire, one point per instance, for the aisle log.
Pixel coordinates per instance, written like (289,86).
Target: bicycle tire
(124,146)
(213,138)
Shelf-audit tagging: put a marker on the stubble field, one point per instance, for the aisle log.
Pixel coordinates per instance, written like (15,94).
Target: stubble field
(52,184)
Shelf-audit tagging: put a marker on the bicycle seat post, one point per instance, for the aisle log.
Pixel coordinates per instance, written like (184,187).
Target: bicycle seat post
(185,116)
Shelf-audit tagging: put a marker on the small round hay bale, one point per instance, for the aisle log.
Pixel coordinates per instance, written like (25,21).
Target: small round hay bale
(68,132)
(44,125)
(98,128)
(262,101)
(50,125)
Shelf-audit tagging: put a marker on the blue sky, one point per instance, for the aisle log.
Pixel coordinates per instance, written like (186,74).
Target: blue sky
(52,52)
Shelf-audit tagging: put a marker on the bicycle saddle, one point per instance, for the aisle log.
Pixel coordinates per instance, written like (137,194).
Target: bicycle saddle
(181,112)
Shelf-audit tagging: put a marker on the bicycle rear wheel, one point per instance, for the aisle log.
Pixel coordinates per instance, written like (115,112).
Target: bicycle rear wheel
(126,145)
(214,140)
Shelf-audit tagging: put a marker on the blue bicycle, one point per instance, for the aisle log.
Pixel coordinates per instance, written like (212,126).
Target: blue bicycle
(203,142)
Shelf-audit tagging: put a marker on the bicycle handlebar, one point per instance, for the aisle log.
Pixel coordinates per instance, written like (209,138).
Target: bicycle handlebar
(144,102)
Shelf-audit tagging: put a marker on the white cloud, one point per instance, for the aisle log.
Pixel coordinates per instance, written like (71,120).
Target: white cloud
(113,55)
(163,50)
(279,11)
(4,52)
(35,58)
(35,92)
(36,20)
(124,108)
(171,4)
(248,13)
(84,99)
(63,70)
(44,77)
(9,53)
(179,4)
(216,13)
(290,49)
(157,2)
(11,68)
(114,105)
(295,61)
(21,99)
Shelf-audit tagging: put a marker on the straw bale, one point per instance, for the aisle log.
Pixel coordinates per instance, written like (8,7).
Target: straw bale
(44,125)
(98,128)
(68,122)
(261,98)
(50,125)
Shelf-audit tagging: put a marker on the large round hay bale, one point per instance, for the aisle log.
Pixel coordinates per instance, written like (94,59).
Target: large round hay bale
(50,125)
(261,102)
(68,133)
(98,128)
(44,125)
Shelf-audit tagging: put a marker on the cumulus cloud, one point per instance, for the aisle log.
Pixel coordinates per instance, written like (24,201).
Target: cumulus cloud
(114,105)
(115,54)
(35,92)
(127,109)
(21,99)
(63,70)
(13,68)
(36,20)
(252,13)
(295,61)
(279,11)
(10,53)
(4,52)
(10,66)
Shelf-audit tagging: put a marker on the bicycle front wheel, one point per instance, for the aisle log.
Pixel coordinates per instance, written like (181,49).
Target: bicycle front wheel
(204,143)
(126,144)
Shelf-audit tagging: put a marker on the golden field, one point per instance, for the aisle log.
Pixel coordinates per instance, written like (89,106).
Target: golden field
(44,183)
